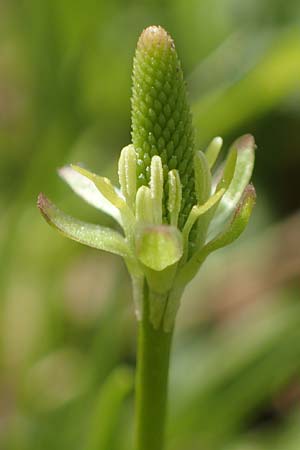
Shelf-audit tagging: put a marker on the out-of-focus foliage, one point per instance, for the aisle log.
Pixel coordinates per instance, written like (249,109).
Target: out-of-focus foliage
(67,333)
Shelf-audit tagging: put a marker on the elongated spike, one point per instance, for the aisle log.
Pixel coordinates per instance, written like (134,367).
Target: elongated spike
(202,177)
(175,196)
(144,205)
(127,174)
(156,187)
(213,150)
(161,117)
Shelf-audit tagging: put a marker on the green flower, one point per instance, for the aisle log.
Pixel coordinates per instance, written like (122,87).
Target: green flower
(173,208)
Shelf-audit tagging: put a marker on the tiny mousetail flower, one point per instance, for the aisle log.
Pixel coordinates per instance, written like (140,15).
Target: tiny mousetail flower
(175,205)
(171,203)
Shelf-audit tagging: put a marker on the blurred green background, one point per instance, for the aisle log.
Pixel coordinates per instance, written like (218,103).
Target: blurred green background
(67,331)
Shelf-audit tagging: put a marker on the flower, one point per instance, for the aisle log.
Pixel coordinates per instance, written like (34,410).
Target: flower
(174,210)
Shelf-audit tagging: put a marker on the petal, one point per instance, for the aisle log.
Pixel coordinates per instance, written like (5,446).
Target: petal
(174,196)
(197,211)
(156,187)
(202,177)
(87,190)
(86,233)
(144,205)
(127,174)
(213,150)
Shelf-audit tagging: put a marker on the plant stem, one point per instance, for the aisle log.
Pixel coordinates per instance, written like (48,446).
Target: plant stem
(151,383)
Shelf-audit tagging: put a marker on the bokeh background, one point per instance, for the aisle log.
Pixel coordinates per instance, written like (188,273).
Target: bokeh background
(67,332)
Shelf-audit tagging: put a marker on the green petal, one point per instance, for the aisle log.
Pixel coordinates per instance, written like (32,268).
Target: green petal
(198,211)
(213,150)
(89,234)
(174,196)
(157,188)
(127,174)
(144,205)
(202,178)
(159,247)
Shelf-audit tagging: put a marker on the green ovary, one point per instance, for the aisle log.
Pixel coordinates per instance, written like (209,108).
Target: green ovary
(161,118)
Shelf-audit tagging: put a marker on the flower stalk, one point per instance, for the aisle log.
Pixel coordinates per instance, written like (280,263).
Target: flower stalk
(153,357)
(173,208)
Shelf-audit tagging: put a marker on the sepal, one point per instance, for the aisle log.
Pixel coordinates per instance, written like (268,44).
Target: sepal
(109,191)
(95,236)
(245,147)
(86,189)
(231,232)
(158,246)
(238,223)
(228,171)
(226,177)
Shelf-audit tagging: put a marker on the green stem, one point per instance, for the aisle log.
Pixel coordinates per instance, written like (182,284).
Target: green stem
(151,383)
